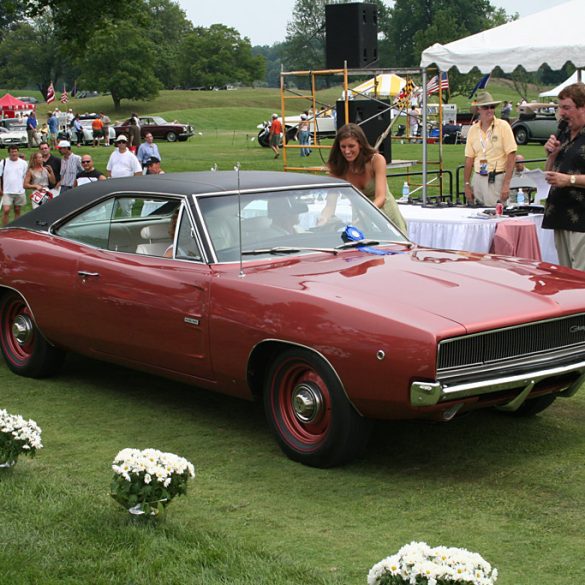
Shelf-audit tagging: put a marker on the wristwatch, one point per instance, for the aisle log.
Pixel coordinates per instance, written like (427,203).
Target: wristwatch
(572,179)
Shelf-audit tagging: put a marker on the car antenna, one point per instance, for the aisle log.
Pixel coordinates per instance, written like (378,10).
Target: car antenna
(237,169)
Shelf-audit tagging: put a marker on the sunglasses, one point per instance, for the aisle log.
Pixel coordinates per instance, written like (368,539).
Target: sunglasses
(487,107)
(85,162)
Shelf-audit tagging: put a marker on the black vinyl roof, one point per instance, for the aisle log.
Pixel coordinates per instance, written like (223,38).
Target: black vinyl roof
(201,183)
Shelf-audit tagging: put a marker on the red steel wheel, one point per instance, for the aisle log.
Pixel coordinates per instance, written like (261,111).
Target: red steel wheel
(312,418)
(25,350)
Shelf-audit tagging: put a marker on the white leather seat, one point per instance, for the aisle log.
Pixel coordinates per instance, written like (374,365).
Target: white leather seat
(156,231)
(220,232)
(158,238)
(155,249)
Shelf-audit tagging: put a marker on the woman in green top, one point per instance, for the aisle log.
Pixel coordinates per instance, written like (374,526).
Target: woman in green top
(354,160)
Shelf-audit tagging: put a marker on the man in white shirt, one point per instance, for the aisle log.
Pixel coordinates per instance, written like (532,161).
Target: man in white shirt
(12,170)
(122,162)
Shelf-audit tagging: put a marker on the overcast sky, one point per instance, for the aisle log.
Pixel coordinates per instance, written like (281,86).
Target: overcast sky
(264,21)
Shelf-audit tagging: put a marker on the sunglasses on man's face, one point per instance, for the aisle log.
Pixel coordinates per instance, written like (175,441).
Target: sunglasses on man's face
(487,107)
(85,162)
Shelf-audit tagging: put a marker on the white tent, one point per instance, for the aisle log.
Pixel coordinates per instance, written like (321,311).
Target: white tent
(553,36)
(577,76)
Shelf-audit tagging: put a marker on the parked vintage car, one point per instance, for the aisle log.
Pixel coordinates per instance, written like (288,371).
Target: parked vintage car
(536,122)
(291,289)
(67,133)
(159,128)
(13,124)
(324,124)
(9,137)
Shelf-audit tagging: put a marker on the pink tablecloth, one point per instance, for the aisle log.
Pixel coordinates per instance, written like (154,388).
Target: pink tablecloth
(516,238)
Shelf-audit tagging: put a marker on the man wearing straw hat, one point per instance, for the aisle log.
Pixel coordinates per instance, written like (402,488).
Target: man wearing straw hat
(490,154)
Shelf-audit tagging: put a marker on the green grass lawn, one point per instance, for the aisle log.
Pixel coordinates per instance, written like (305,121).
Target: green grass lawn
(510,489)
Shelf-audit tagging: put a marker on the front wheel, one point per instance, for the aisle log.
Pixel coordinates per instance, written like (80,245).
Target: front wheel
(171,137)
(263,139)
(313,420)
(25,350)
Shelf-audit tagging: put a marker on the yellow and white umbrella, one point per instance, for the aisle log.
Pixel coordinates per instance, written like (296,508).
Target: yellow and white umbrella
(383,85)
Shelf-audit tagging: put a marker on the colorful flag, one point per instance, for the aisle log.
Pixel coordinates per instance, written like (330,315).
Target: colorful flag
(481,84)
(64,96)
(433,84)
(405,94)
(50,93)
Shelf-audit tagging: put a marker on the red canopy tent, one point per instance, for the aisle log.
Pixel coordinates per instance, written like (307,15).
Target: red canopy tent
(9,106)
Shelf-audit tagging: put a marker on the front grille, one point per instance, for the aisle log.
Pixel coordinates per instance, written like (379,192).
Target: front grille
(501,345)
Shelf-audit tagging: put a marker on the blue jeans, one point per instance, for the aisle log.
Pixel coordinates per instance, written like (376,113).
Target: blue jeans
(304,140)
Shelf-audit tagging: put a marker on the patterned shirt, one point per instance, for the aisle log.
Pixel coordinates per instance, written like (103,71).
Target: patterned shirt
(565,206)
(69,169)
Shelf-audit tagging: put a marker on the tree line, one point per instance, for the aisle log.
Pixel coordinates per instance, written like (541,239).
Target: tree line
(129,49)
(132,49)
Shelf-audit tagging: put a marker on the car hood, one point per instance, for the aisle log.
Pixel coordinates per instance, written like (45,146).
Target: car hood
(471,290)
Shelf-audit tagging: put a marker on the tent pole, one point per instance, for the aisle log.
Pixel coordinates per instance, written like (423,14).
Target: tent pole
(424,136)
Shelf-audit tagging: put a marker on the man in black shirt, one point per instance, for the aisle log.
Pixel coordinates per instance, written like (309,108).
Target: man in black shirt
(565,166)
(50,160)
(89,174)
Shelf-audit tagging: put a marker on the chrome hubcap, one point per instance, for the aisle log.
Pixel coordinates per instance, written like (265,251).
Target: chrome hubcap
(22,329)
(307,402)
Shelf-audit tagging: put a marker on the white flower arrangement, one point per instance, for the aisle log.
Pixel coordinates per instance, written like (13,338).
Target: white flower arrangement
(419,564)
(146,481)
(17,437)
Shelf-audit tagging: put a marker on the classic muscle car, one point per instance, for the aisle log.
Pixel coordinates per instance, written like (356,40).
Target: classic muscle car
(291,289)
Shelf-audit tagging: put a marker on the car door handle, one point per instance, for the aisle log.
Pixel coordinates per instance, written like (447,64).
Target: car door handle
(84,274)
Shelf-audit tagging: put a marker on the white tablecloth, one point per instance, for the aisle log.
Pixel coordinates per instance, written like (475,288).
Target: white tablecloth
(462,228)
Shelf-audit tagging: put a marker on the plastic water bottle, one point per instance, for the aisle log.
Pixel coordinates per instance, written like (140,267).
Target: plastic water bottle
(520,199)
(405,192)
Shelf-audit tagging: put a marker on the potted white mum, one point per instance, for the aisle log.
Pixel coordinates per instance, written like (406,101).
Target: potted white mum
(17,437)
(419,564)
(145,482)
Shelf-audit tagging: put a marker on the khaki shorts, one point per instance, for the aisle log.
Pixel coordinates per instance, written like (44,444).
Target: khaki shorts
(16,199)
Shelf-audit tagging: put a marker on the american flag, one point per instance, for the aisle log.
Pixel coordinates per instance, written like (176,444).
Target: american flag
(64,96)
(433,84)
(50,93)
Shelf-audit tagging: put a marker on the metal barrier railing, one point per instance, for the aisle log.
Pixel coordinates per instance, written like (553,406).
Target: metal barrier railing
(441,197)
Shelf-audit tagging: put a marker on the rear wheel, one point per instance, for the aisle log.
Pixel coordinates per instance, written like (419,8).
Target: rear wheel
(308,411)
(25,350)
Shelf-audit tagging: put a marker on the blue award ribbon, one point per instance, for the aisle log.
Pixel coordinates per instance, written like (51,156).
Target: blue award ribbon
(354,234)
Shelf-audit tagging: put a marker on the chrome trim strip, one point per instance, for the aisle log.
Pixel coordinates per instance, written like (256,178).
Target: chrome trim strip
(302,186)
(431,393)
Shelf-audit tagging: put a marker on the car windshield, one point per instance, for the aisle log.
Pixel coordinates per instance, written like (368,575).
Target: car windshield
(293,222)
(14,124)
(158,120)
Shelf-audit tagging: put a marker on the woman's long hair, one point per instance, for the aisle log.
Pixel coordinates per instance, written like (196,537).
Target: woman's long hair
(337,163)
(31,160)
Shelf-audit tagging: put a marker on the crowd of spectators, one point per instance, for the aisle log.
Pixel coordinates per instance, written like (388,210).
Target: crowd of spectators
(47,174)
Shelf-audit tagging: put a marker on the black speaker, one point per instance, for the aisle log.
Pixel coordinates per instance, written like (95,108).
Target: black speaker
(360,110)
(351,35)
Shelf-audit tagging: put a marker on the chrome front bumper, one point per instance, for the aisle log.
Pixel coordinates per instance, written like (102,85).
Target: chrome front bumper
(433,393)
